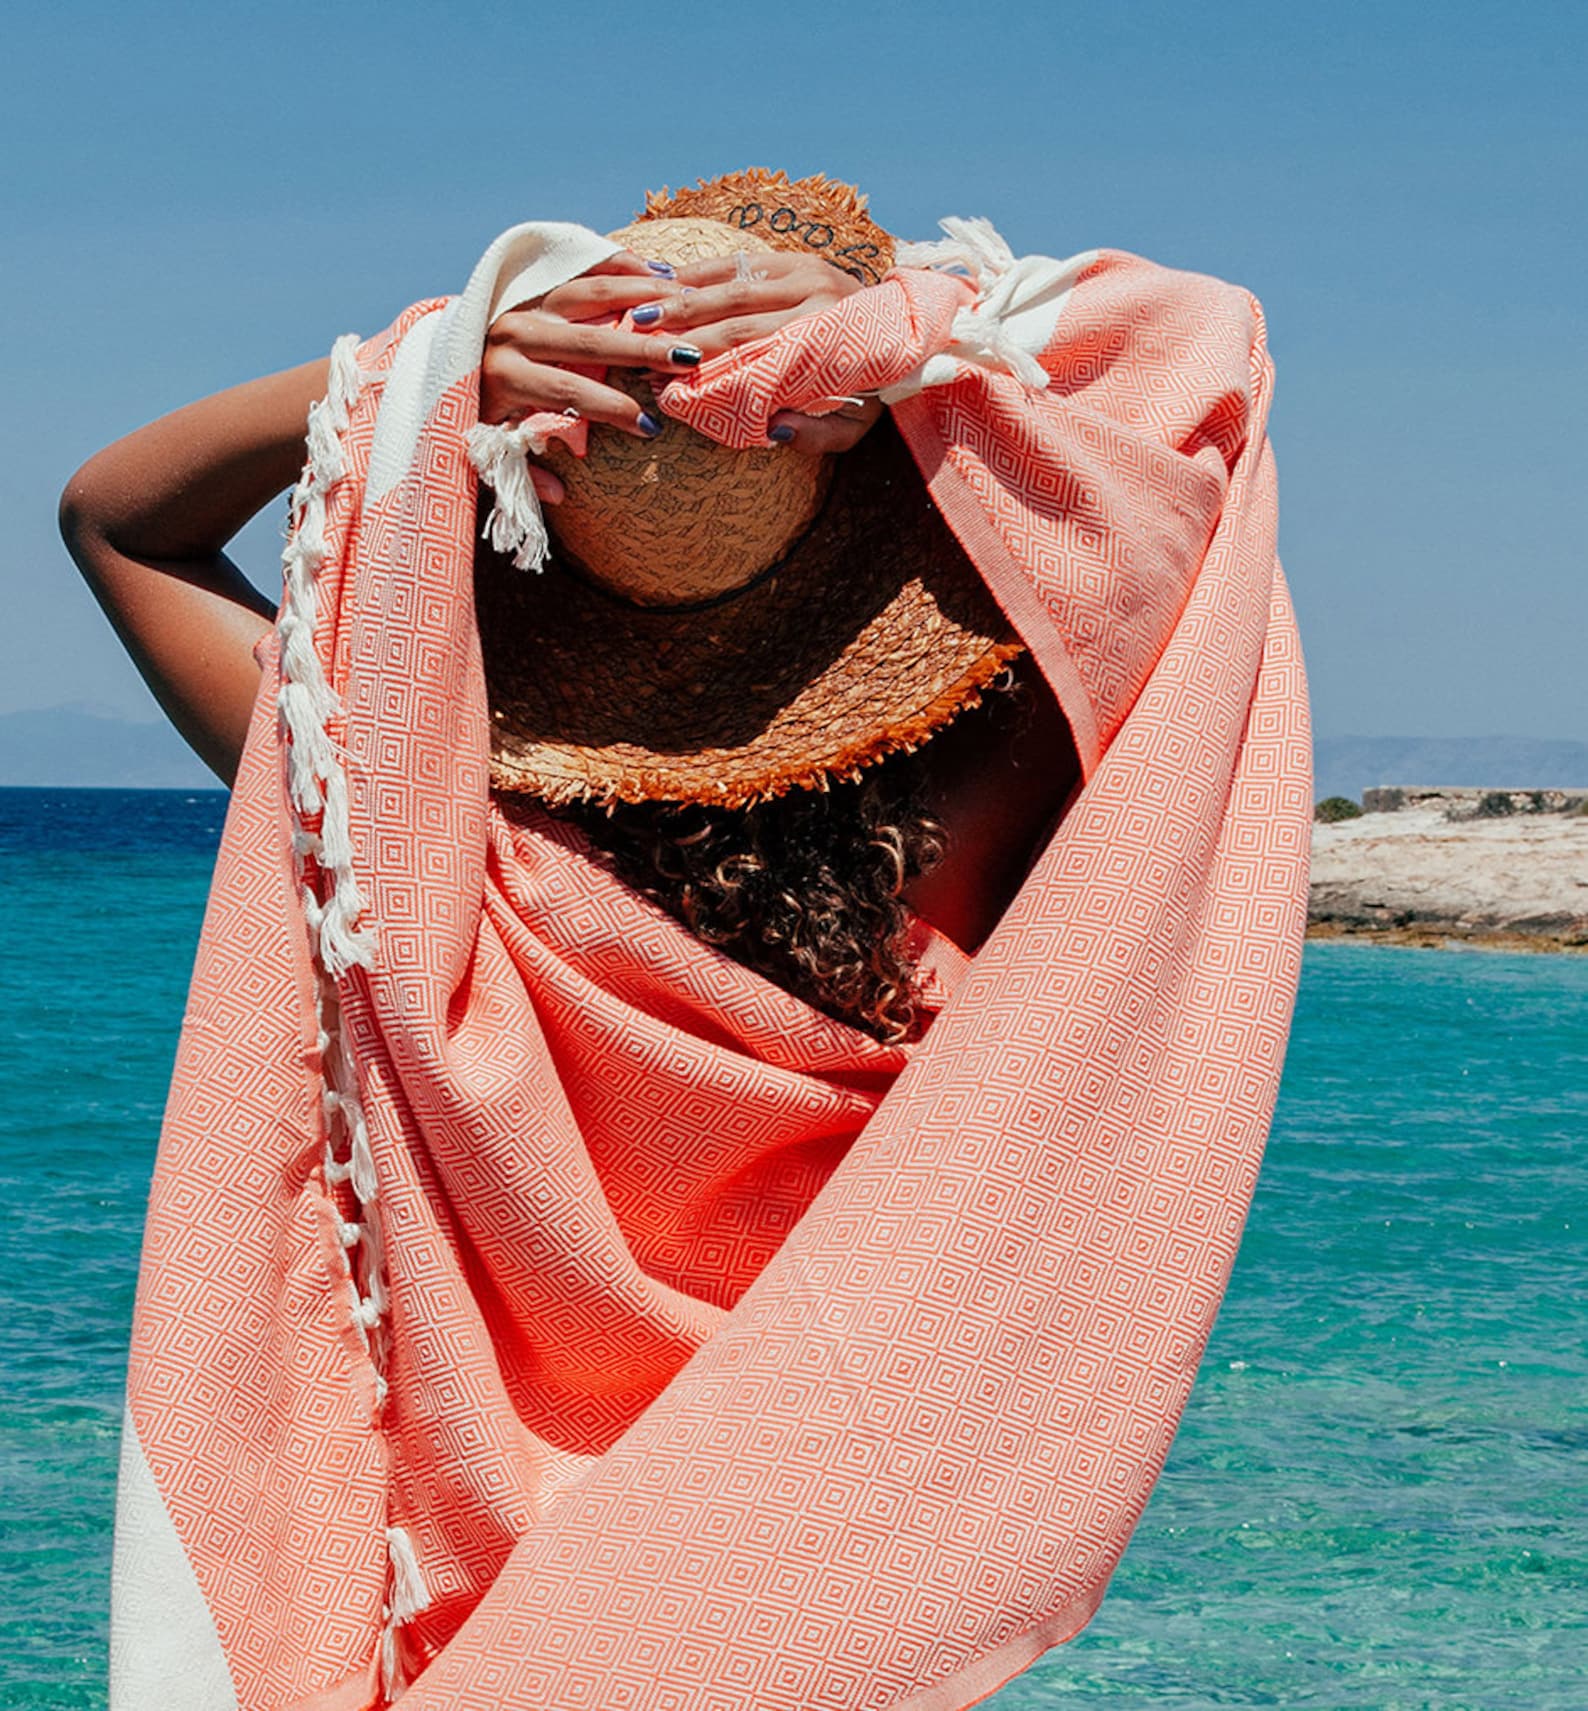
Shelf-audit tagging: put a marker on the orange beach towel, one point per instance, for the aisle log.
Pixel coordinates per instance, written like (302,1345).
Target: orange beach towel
(541,1310)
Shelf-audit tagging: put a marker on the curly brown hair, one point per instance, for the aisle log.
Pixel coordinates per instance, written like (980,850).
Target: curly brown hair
(807,887)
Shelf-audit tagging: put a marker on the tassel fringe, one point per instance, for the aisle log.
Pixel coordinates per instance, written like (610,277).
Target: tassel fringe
(340,939)
(980,334)
(515,527)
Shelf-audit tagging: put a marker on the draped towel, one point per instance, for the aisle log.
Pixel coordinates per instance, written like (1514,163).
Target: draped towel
(539,1309)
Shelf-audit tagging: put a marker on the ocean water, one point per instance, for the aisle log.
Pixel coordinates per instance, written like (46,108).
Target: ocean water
(1378,1499)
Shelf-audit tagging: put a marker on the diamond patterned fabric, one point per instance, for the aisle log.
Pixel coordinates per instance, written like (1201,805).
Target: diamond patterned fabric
(734,1358)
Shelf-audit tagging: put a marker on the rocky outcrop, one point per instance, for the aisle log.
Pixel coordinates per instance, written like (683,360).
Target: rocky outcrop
(1472,802)
(1441,866)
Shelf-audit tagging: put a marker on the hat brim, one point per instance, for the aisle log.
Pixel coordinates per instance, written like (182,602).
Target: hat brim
(872,633)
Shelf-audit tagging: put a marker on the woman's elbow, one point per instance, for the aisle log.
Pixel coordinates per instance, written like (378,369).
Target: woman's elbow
(83,513)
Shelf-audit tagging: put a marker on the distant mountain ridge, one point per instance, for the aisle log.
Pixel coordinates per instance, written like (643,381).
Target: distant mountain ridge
(1346,766)
(73,748)
(77,747)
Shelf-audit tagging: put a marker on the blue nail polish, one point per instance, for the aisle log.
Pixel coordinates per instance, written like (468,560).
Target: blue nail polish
(686,356)
(647,314)
(666,269)
(649,426)
(782,433)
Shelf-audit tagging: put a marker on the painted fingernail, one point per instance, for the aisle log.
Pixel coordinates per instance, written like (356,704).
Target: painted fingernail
(684,356)
(782,433)
(648,425)
(647,314)
(666,269)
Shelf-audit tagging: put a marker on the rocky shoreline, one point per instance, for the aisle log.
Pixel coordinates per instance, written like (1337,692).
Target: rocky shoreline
(1507,870)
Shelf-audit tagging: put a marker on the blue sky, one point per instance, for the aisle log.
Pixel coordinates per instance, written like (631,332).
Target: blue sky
(197,194)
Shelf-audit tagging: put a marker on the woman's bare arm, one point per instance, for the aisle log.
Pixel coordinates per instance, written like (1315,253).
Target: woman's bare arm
(147,521)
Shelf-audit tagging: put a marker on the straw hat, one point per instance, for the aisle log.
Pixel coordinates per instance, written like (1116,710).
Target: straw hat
(722,626)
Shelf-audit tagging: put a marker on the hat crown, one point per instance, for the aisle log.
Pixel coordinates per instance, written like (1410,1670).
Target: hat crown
(679,520)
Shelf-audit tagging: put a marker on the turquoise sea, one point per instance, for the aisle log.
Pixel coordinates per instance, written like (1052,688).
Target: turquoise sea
(1378,1500)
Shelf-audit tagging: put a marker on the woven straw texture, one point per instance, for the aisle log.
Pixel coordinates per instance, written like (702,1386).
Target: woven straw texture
(734,1358)
(818,215)
(872,634)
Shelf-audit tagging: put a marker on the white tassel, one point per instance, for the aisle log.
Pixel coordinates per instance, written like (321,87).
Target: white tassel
(936,254)
(972,246)
(392,1679)
(365,1183)
(298,663)
(344,948)
(409,1594)
(515,526)
(310,756)
(311,533)
(1018,305)
(356,1304)
(346,382)
(335,828)
(982,336)
(325,450)
(296,624)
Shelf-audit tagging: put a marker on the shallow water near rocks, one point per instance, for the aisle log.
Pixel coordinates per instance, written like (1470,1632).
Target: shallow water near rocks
(1378,1498)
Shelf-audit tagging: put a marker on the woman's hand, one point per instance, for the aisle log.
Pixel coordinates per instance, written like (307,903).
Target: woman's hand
(546,355)
(728,301)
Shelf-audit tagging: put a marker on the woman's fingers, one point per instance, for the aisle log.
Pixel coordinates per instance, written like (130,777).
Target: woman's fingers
(541,337)
(733,300)
(629,262)
(700,291)
(521,388)
(815,435)
(765,264)
(719,269)
(593,297)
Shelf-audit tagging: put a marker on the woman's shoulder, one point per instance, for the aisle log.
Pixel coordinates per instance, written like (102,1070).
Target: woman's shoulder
(1000,778)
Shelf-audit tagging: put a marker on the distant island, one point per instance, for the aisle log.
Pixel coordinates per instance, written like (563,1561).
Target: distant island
(1506,868)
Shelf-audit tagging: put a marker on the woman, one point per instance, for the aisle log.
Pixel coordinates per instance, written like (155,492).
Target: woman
(541,1307)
